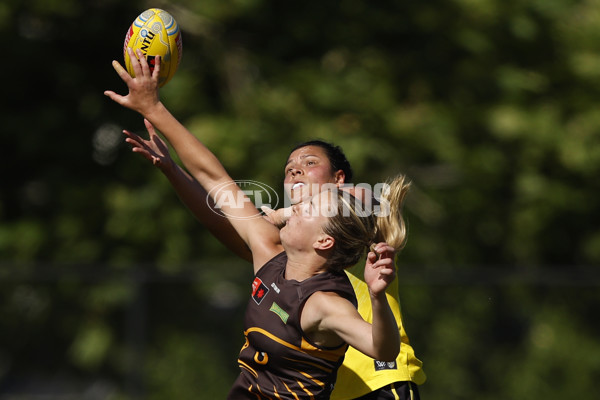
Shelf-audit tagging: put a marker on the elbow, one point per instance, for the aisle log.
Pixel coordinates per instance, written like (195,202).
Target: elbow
(389,354)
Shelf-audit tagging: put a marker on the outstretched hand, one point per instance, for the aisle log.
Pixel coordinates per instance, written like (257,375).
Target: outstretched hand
(143,89)
(380,270)
(154,149)
(277,217)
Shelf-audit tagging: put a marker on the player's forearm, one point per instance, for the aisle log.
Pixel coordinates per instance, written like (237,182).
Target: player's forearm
(197,158)
(386,338)
(202,206)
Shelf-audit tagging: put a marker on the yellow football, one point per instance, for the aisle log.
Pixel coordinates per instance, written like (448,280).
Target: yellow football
(156,33)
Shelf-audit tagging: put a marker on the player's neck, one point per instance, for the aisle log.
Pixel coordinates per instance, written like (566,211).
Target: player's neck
(301,267)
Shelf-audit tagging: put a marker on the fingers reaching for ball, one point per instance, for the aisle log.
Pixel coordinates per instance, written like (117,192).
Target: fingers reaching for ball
(155,37)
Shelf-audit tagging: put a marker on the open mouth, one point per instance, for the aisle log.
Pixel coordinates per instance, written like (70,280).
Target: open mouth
(297,185)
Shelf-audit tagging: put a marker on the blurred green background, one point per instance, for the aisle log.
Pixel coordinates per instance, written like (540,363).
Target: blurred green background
(109,289)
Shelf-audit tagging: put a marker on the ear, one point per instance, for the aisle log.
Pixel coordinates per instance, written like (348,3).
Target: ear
(339,177)
(324,242)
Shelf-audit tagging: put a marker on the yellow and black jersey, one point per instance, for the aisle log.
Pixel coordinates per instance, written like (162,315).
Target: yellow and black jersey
(360,374)
(277,361)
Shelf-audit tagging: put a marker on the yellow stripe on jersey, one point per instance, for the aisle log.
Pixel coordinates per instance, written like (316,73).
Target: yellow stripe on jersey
(312,396)
(250,390)
(329,355)
(264,395)
(290,390)
(247,368)
(318,382)
(322,368)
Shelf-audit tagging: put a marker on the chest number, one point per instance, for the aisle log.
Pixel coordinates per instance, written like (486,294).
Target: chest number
(261,357)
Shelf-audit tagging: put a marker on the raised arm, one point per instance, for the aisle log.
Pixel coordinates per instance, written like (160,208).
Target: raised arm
(379,340)
(190,192)
(203,165)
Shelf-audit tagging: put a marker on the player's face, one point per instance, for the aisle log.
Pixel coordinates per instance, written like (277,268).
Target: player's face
(308,219)
(306,170)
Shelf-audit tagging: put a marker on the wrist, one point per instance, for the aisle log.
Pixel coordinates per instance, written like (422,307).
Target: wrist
(167,166)
(152,110)
(378,296)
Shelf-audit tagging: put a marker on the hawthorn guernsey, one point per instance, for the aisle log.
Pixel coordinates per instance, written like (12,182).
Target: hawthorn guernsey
(156,33)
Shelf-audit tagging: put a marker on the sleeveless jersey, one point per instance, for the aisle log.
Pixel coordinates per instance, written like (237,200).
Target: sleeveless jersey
(277,361)
(361,374)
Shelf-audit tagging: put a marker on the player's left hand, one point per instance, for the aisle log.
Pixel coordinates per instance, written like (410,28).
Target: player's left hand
(154,149)
(380,270)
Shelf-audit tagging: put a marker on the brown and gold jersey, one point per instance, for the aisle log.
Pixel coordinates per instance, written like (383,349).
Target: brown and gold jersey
(277,361)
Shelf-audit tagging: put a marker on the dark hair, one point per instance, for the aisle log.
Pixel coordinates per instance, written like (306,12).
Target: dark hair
(336,157)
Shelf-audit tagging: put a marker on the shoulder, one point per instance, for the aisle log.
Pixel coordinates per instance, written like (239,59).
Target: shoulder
(264,253)
(325,304)
(276,263)
(327,299)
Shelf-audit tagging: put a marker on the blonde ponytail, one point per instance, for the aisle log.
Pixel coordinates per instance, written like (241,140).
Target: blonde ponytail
(355,230)
(391,226)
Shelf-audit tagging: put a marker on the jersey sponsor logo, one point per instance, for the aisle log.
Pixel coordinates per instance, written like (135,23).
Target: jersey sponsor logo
(279,311)
(274,286)
(383,365)
(259,290)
